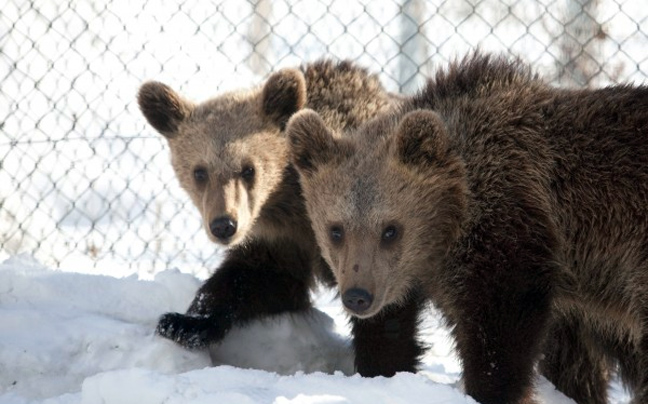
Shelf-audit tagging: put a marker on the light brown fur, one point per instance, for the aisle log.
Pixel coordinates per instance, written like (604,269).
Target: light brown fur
(223,136)
(241,129)
(369,201)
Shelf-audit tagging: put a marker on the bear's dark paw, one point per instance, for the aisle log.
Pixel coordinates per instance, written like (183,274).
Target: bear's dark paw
(189,331)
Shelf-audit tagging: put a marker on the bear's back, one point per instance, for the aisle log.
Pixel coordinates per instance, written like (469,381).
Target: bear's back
(345,95)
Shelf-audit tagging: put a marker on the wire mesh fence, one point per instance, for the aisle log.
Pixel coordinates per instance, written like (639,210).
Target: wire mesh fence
(85,183)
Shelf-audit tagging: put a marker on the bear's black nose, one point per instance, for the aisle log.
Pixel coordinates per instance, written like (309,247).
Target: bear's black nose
(223,228)
(357,300)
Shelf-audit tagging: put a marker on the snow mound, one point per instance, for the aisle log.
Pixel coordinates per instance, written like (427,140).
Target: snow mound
(77,338)
(286,345)
(233,385)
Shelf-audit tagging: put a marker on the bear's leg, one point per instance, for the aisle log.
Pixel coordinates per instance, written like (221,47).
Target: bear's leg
(637,378)
(254,281)
(500,327)
(630,364)
(574,364)
(387,342)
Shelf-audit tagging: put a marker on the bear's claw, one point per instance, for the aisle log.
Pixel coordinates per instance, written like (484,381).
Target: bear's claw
(188,331)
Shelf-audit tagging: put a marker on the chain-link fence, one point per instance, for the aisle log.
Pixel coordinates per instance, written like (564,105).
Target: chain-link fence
(85,183)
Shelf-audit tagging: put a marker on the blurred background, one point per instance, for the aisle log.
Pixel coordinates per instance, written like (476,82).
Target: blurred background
(86,185)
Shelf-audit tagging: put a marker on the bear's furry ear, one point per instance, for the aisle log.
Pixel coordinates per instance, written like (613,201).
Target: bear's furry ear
(163,108)
(311,143)
(421,139)
(284,94)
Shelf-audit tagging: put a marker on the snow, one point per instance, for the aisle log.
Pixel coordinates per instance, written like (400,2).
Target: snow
(75,337)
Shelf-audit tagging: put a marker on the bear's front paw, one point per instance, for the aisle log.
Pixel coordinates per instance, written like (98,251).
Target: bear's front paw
(189,331)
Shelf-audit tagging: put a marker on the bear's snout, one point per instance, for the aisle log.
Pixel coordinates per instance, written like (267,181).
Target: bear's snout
(223,228)
(357,300)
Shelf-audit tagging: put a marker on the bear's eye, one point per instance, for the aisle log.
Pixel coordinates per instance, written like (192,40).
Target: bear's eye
(389,234)
(248,173)
(200,175)
(336,233)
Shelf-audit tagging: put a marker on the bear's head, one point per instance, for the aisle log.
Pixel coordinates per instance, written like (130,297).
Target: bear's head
(229,153)
(386,202)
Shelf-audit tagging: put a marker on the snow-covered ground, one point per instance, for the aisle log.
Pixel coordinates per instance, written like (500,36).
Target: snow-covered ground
(73,337)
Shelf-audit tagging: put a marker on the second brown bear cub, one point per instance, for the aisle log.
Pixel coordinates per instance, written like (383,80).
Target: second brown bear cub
(520,210)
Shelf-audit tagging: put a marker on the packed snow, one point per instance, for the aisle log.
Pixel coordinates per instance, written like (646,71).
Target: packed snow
(74,337)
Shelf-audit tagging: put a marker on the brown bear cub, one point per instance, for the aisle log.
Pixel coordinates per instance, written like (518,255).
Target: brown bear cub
(518,209)
(231,156)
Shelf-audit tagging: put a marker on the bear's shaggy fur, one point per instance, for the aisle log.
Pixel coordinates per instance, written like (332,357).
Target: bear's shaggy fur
(230,154)
(518,209)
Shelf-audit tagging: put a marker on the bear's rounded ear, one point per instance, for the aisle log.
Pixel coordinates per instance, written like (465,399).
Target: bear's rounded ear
(284,94)
(421,139)
(162,107)
(311,143)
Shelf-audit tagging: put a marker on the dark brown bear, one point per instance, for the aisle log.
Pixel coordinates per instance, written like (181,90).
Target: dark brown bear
(230,154)
(520,210)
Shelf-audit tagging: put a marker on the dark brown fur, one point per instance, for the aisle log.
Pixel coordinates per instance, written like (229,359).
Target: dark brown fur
(518,209)
(272,259)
